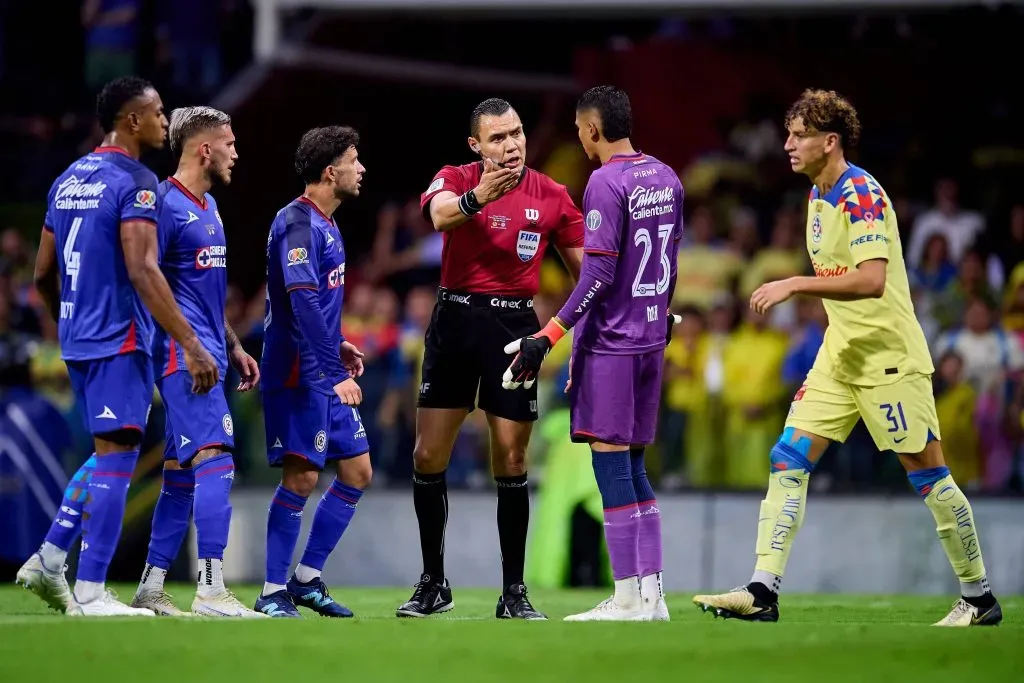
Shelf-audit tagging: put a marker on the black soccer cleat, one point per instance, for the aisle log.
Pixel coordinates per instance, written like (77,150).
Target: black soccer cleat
(430,597)
(513,604)
(739,603)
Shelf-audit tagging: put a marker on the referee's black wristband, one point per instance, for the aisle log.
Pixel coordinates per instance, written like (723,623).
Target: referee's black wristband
(468,204)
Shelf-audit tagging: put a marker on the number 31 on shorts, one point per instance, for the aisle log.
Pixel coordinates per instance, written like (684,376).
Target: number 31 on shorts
(894,414)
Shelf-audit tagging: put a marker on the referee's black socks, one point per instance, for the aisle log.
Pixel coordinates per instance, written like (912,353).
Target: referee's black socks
(430,498)
(513,523)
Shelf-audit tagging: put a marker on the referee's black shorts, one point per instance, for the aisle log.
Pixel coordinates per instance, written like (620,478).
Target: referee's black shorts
(464,354)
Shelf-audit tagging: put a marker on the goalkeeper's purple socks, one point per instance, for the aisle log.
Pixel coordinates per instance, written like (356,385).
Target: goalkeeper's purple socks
(649,524)
(621,519)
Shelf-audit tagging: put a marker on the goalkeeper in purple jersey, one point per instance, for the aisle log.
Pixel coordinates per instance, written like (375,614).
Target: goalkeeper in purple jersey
(633,215)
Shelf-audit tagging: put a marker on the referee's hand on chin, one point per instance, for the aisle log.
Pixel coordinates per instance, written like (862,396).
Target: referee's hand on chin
(349,392)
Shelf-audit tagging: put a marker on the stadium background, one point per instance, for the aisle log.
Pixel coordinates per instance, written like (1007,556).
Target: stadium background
(709,83)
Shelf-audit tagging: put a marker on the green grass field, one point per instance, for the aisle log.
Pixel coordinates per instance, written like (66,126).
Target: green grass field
(820,638)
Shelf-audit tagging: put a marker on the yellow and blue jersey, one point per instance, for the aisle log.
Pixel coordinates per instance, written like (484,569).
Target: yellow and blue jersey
(874,341)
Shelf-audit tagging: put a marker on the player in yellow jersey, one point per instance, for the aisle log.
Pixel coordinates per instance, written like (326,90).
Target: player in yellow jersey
(874,364)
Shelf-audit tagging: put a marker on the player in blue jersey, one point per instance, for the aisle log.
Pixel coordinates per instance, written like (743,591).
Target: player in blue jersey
(633,207)
(199,429)
(309,389)
(98,272)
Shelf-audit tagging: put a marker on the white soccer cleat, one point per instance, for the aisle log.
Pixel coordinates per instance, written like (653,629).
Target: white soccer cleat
(609,610)
(159,602)
(966,614)
(107,605)
(656,610)
(51,586)
(223,604)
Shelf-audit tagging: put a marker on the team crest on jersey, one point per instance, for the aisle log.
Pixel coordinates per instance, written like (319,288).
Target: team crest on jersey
(227,424)
(527,245)
(212,257)
(320,443)
(593,220)
(499,222)
(145,199)
(297,256)
(816,228)
(533,215)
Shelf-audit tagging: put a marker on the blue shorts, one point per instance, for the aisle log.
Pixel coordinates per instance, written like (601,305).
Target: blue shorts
(311,425)
(114,393)
(194,421)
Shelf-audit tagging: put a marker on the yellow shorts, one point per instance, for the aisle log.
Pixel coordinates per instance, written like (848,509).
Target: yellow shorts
(900,416)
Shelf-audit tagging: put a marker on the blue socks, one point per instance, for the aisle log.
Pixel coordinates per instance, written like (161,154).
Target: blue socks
(68,522)
(102,513)
(641,484)
(283,525)
(170,518)
(333,514)
(212,507)
(924,480)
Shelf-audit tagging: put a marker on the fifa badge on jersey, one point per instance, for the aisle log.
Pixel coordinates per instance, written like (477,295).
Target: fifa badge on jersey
(297,256)
(593,220)
(435,186)
(816,228)
(499,222)
(533,215)
(527,245)
(145,199)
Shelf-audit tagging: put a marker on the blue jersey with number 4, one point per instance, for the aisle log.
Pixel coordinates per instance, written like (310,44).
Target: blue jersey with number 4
(101,314)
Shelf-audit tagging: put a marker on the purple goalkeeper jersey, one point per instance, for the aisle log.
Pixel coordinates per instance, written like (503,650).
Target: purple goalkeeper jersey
(633,213)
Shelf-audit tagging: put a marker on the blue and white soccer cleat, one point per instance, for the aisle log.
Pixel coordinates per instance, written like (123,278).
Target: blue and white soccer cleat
(279,605)
(314,596)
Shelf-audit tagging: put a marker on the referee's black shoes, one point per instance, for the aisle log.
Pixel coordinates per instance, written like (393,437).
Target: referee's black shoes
(429,597)
(513,604)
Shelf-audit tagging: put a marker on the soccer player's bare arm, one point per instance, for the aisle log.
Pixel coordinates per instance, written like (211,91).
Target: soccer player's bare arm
(572,257)
(866,281)
(138,240)
(248,368)
(449,210)
(46,273)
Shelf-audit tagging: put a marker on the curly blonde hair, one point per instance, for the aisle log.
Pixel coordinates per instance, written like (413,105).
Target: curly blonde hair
(827,111)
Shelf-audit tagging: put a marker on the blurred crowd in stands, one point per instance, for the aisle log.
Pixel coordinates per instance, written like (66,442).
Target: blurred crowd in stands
(729,373)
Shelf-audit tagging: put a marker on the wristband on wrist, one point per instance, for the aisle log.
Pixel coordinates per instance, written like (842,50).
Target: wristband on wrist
(468,204)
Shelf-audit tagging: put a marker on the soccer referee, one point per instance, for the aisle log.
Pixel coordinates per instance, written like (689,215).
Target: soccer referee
(498,217)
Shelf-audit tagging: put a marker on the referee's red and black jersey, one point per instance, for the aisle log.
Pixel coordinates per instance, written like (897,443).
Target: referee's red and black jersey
(499,250)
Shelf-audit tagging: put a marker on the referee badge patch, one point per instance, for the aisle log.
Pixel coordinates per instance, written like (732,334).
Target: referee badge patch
(527,245)
(435,186)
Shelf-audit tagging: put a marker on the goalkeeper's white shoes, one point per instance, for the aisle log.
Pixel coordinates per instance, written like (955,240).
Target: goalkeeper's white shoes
(223,604)
(50,585)
(107,605)
(610,610)
(160,602)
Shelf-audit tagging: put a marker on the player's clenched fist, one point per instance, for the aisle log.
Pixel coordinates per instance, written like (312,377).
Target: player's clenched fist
(202,367)
(494,182)
(349,392)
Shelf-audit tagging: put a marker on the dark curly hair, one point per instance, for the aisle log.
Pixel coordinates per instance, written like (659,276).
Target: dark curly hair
(115,95)
(826,111)
(320,148)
